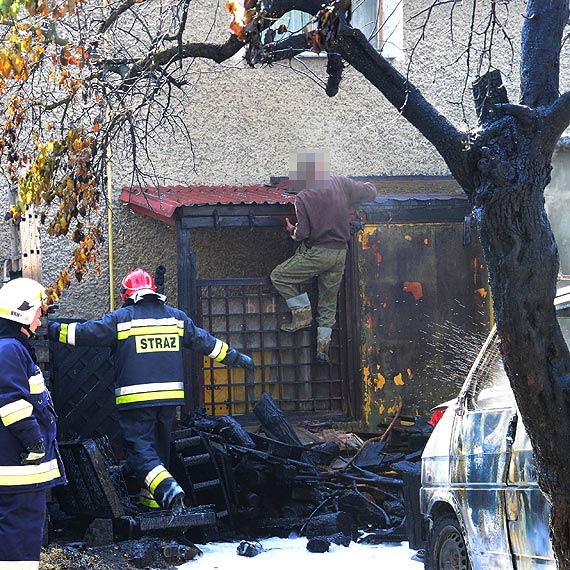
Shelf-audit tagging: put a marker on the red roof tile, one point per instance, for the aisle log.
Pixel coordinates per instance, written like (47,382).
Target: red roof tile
(160,202)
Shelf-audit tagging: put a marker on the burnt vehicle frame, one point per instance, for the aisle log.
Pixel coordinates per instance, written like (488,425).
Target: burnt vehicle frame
(479,496)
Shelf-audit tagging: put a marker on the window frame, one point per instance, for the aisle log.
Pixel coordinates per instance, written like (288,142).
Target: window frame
(389,23)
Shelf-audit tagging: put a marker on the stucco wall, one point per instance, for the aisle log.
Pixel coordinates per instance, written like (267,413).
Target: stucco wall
(557,197)
(243,123)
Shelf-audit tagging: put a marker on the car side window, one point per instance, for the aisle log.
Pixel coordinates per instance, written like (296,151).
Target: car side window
(490,386)
(564,321)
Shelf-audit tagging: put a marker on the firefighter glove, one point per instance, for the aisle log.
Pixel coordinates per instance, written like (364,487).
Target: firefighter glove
(234,358)
(35,452)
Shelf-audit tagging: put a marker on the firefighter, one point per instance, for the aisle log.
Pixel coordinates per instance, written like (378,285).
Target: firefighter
(146,337)
(29,459)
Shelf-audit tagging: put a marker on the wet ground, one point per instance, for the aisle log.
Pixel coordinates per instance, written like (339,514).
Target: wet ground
(278,552)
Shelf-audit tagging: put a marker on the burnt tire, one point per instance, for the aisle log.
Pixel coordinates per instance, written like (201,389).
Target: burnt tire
(445,548)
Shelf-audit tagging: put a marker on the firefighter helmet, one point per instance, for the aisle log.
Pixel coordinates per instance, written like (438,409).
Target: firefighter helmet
(20,299)
(138,282)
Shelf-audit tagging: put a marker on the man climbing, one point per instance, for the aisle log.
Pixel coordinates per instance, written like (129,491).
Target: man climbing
(322,207)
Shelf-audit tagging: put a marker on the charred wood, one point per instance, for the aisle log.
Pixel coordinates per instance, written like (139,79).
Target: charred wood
(249,549)
(226,426)
(318,544)
(231,430)
(274,422)
(406,467)
(364,509)
(324,454)
(372,456)
(396,511)
(323,543)
(329,524)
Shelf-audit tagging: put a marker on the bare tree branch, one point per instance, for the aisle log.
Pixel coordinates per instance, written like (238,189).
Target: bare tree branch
(557,118)
(526,116)
(115,14)
(450,142)
(215,52)
(540,61)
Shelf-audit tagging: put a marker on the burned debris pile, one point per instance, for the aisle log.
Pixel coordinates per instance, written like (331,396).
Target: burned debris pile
(244,485)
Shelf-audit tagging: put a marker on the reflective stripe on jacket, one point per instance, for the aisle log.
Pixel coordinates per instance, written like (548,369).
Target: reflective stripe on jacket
(147,339)
(26,415)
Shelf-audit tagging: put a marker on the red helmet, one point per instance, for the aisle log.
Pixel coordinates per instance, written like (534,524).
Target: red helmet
(137,281)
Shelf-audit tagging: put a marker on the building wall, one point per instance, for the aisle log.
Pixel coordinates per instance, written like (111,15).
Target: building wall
(244,122)
(557,198)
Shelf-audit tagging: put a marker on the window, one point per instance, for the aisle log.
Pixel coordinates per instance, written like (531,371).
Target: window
(564,322)
(381,21)
(391,40)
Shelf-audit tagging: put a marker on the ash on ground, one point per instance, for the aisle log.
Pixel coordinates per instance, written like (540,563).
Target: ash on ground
(149,553)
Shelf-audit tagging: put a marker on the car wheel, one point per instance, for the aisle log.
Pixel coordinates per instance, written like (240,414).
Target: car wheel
(446,549)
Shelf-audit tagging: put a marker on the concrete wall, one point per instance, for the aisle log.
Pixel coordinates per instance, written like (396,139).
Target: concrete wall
(557,197)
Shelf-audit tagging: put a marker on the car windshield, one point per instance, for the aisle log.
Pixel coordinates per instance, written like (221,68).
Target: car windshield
(490,384)
(565,326)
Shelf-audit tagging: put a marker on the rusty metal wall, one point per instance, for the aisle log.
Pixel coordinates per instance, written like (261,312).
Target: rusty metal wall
(424,310)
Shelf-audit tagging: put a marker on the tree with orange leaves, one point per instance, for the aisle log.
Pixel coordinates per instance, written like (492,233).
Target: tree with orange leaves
(53,168)
(70,86)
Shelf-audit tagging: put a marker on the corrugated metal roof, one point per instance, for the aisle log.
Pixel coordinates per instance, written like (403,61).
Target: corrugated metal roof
(160,202)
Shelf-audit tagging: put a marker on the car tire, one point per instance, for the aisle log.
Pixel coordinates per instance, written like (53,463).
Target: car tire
(446,548)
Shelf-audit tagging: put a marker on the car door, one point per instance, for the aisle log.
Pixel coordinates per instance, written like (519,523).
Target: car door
(481,444)
(527,508)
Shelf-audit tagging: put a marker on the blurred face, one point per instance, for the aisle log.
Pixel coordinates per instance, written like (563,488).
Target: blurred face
(310,165)
(36,323)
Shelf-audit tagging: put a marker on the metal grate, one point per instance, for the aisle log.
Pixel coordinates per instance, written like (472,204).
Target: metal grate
(247,313)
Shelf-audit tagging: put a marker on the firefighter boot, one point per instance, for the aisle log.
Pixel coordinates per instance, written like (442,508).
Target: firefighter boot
(301,313)
(173,497)
(177,504)
(323,345)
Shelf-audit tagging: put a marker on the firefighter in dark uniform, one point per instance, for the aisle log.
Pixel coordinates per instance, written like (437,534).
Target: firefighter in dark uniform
(29,459)
(147,337)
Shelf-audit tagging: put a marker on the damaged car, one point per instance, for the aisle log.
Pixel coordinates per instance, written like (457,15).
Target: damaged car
(479,494)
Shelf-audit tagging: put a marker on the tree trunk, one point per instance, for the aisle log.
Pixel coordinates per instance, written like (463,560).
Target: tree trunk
(522,260)
(560,530)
